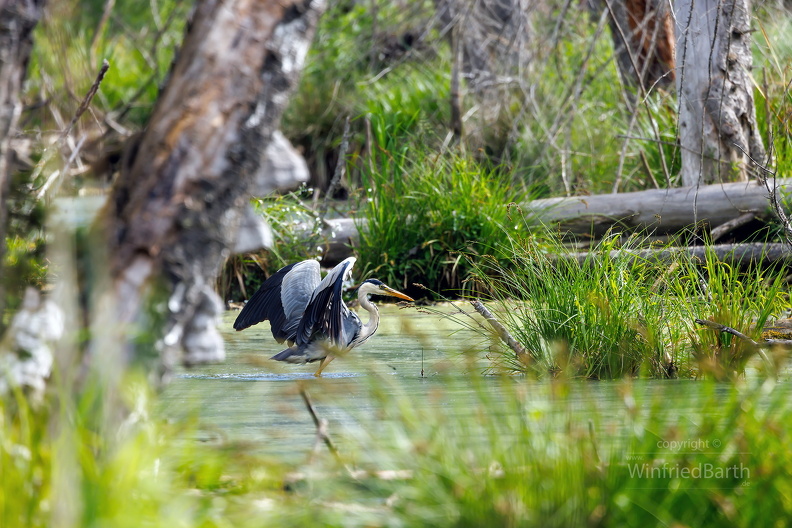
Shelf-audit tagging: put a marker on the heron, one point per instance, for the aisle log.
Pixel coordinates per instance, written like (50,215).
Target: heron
(308,313)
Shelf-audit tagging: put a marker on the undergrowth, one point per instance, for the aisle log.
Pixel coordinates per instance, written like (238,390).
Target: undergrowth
(454,451)
(619,311)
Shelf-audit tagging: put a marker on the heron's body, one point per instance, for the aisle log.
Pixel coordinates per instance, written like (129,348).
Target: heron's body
(309,314)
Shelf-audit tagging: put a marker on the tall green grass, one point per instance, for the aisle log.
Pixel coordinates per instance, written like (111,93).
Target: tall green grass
(616,312)
(422,210)
(744,298)
(463,451)
(544,455)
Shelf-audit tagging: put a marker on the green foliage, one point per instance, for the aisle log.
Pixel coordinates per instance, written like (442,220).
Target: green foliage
(23,260)
(422,209)
(297,228)
(743,299)
(297,235)
(615,313)
(70,44)
(347,73)
(480,451)
(549,455)
(596,318)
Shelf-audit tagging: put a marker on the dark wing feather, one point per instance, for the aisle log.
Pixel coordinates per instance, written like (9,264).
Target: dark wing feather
(281,300)
(326,311)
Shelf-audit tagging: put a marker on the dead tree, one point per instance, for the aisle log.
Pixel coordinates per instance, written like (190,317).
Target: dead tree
(643,38)
(174,211)
(717,119)
(17,20)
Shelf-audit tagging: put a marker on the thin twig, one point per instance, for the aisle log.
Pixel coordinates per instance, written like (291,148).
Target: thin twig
(57,173)
(49,152)
(321,425)
(87,99)
(739,335)
(455,92)
(727,330)
(593,440)
(779,210)
(644,92)
(732,224)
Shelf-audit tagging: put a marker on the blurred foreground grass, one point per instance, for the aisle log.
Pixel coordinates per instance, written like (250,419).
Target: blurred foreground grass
(466,451)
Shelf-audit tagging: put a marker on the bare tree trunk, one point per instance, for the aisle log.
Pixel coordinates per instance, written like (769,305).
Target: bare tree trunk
(717,118)
(643,37)
(174,213)
(17,20)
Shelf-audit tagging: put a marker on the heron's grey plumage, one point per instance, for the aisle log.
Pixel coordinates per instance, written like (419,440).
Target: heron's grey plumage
(309,312)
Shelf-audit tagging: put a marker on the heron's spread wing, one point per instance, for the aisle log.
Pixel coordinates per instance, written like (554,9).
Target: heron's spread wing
(326,311)
(282,299)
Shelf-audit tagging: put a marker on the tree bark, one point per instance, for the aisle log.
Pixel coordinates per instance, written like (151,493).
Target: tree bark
(655,211)
(717,119)
(17,20)
(643,38)
(174,213)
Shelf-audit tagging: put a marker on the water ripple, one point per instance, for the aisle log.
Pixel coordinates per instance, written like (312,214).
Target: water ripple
(268,376)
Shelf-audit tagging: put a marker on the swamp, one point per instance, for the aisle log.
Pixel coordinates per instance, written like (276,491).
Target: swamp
(583,208)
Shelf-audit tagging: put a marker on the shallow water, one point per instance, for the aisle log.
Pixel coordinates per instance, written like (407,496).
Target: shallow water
(254,400)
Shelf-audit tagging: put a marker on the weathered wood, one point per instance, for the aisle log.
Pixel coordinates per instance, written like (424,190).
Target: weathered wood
(174,213)
(519,350)
(717,119)
(742,337)
(493,50)
(724,228)
(656,211)
(750,253)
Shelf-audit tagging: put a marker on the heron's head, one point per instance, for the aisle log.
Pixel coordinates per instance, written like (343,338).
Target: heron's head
(376,287)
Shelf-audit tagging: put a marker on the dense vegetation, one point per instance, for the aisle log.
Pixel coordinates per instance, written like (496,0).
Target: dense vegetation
(511,452)
(516,451)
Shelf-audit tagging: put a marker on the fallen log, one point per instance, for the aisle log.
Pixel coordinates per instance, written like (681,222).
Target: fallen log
(656,211)
(741,254)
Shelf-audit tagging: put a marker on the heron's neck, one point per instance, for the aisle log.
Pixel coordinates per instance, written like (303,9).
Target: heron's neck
(371,326)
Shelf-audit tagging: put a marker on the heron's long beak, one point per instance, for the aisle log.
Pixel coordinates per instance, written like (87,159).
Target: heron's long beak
(394,293)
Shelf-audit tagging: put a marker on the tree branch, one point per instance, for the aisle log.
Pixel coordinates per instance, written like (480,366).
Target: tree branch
(500,330)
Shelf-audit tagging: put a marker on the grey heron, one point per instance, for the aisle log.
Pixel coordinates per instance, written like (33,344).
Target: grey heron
(307,311)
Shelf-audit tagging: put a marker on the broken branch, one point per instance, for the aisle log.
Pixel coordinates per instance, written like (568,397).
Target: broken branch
(504,334)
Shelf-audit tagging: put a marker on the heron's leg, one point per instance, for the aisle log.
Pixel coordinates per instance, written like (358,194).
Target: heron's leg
(326,361)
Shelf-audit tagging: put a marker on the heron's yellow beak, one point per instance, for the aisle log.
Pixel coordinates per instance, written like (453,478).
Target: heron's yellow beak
(387,290)
(393,293)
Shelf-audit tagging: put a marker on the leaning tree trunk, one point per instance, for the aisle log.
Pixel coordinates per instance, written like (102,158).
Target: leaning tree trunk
(174,213)
(17,20)
(717,119)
